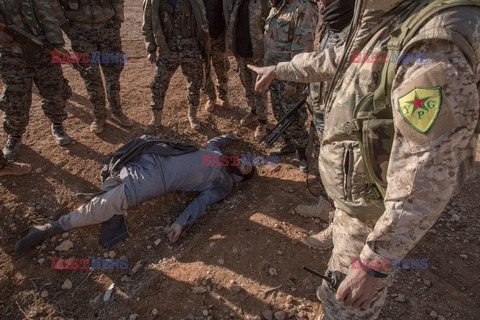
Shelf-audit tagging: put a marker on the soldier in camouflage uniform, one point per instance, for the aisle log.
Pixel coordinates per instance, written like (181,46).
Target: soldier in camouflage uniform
(336,16)
(178,30)
(290,30)
(18,74)
(94,26)
(216,28)
(244,39)
(434,108)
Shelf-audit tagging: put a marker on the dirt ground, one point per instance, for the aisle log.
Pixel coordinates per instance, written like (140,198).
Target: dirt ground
(241,259)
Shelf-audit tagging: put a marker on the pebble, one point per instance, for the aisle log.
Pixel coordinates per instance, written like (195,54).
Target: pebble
(133,316)
(272,271)
(154,312)
(433,314)
(221,261)
(65,235)
(279,252)
(44,294)
(427,283)
(125,278)
(157,242)
(256,318)
(112,254)
(137,267)
(41,260)
(205,312)
(38,170)
(279,315)
(464,256)
(64,246)
(400,298)
(455,217)
(268,314)
(199,290)
(236,288)
(67,285)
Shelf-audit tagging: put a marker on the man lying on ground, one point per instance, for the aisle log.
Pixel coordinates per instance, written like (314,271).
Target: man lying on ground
(146,168)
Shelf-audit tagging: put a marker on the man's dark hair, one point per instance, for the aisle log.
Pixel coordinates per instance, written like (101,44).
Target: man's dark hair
(235,170)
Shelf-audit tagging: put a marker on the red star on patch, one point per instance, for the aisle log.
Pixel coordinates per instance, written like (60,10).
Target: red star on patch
(417,102)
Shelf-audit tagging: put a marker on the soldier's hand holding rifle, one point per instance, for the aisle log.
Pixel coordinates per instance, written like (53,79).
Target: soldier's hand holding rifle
(265,75)
(5,38)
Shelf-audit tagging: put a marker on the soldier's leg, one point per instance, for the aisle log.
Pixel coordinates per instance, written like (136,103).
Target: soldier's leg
(349,236)
(51,86)
(166,66)
(222,66)
(84,41)
(192,70)
(112,67)
(16,99)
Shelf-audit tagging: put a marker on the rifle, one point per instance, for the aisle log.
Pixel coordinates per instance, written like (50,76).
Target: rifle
(334,278)
(32,44)
(285,122)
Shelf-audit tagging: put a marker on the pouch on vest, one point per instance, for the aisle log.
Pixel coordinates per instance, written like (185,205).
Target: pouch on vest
(30,18)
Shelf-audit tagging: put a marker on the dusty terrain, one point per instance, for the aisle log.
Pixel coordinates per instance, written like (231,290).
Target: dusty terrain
(225,265)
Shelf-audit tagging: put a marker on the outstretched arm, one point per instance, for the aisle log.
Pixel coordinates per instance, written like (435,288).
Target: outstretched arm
(216,144)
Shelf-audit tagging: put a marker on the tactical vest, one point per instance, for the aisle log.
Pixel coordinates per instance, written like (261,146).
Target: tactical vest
(373,116)
(75,4)
(23,15)
(179,21)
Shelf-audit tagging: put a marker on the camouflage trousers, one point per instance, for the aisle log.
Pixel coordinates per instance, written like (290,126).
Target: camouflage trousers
(3,161)
(221,65)
(18,79)
(349,237)
(256,101)
(296,134)
(105,39)
(167,64)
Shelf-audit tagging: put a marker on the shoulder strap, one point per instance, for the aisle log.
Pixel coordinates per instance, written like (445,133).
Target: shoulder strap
(401,36)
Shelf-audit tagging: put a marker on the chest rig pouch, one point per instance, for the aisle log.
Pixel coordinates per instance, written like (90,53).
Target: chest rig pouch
(178,21)
(373,116)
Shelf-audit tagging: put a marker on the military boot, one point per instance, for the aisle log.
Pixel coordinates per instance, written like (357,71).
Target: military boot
(97,125)
(120,118)
(322,240)
(15,169)
(248,119)
(210,105)
(319,210)
(11,149)
(36,235)
(154,123)
(192,118)
(61,137)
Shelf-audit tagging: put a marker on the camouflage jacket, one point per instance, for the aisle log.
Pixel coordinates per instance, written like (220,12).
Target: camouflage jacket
(289,30)
(158,31)
(87,13)
(35,17)
(435,105)
(258,12)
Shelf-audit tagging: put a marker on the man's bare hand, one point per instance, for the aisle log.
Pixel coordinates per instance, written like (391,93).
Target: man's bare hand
(358,289)
(174,232)
(5,38)
(152,57)
(265,75)
(289,90)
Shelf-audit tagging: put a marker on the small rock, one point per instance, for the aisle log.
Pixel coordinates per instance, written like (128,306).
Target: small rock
(137,267)
(64,246)
(256,318)
(44,294)
(272,271)
(427,283)
(133,316)
(464,256)
(205,312)
(65,235)
(154,312)
(441,318)
(236,288)
(199,290)
(125,278)
(455,217)
(67,285)
(400,298)
(279,315)
(38,170)
(268,314)
(221,261)
(289,299)
(112,254)
(157,242)
(41,261)
(433,314)
(109,292)
(279,252)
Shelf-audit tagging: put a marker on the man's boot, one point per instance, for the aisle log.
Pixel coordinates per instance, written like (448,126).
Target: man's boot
(11,149)
(97,125)
(322,240)
(248,119)
(36,235)
(154,123)
(120,118)
(192,118)
(210,104)
(303,159)
(319,210)
(61,137)
(15,169)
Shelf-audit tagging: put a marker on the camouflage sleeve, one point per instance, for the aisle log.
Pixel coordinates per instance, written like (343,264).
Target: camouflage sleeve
(436,108)
(118,6)
(57,10)
(48,20)
(305,26)
(147,28)
(311,66)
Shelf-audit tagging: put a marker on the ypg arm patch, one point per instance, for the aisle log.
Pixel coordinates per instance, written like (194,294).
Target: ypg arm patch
(420,107)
